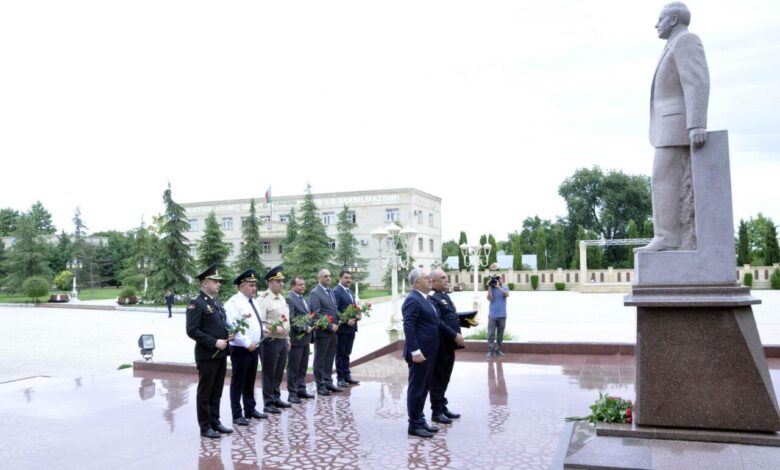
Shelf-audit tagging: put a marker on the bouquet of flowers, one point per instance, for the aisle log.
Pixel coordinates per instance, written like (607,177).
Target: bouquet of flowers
(355,312)
(608,409)
(239,326)
(323,322)
(278,323)
(303,322)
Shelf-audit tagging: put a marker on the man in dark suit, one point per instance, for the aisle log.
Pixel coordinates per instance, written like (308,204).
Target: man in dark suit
(421,329)
(207,325)
(450,340)
(298,358)
(346,332)
(323,302)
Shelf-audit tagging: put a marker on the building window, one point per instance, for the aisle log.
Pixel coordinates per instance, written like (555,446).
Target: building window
(284,218)
(265,248)
(243,220)
(227,223)
(328,218)
(264,218)
(430,219)
(430,245)
(281,248)
(352,217)
(419,215)
(392,215)
(420,245)
(332,244)
(193,225)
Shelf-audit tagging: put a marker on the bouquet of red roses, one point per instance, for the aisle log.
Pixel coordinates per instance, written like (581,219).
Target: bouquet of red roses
(323,322)
(303,322)
(609,409)
(278,323)
(355,312)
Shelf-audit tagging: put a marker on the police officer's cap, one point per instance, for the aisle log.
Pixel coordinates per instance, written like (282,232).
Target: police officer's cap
(210,273)
(274,274)
(247,276)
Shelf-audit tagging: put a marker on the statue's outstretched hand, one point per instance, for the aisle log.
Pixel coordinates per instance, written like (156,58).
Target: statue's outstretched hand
(698,137)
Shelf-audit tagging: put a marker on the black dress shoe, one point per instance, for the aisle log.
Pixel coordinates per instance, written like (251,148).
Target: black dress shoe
(281,404)
(352,382)
(222,429)
(342,384)
(324,392)
(333,388)
(255,414)
(240,421)
(305,395)
(441,418)
(451,414)
(430,428)
(420,432)
(211,434)
(293,399)
(271,409)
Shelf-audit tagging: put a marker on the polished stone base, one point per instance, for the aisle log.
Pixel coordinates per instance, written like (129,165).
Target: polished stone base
(636,431)
(700,363)
(588,450)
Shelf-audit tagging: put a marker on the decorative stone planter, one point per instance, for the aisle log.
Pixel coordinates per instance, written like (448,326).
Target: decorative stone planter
(59,298)
(127,300)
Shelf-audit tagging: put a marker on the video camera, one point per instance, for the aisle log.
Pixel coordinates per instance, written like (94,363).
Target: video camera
(494,278)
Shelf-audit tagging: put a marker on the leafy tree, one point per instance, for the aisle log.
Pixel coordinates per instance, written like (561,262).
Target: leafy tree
(36,287)
(61,252)
(449,248)
(249,256)
(633,232)
(461,260)
(517,252)
(558,249)
(743,244)
(347,253)
(772,249)
(27,257)
(42,218)
(138,264)
(647,229)
(541,249)
(493,257)
(762,235)
(8,220)
(292,231)
(311,248)
(172,266)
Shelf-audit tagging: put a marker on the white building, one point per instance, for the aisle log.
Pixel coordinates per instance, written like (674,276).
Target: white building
(408,207)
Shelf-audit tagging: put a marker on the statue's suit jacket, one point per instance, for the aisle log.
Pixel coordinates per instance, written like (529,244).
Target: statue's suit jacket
(680,91)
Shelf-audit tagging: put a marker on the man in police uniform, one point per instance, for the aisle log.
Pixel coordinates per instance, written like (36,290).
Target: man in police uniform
(273,354)
(207,325)
(244,349)
(450,340)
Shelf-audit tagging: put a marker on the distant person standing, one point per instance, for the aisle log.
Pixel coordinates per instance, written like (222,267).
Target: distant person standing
(207,325)
(169,302)
(497,294)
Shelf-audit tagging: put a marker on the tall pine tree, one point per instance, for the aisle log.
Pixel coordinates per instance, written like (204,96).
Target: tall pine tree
(27,257)
(772,249)
(311,248)
(42,218)
(173,266)
(743,244)
(461,259)
(493,257)
(212,249)
(249,256)
(347,254)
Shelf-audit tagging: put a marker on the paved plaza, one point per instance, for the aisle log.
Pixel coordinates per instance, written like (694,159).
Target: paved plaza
(69,407)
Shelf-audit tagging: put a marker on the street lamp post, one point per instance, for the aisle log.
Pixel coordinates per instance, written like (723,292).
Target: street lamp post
(357,269)
(475,256)
(74,265)
(390,256)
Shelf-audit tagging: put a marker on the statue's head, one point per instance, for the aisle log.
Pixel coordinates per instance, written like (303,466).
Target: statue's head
(674,16)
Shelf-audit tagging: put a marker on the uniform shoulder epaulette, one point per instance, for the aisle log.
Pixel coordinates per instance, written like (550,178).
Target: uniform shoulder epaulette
(265,294)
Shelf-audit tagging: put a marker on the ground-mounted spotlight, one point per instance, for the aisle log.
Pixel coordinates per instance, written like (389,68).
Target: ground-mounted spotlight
(146,343)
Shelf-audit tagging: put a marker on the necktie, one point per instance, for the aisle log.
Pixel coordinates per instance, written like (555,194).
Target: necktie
(258,317)
(330,294)
(305,305)
(351,299)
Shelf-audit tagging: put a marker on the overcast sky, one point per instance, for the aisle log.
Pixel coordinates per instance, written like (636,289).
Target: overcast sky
(488,105)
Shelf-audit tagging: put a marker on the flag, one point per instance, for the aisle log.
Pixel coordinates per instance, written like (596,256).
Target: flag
(268,195)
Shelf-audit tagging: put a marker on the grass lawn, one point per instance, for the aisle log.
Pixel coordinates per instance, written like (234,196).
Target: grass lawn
(86,294)
(372,293)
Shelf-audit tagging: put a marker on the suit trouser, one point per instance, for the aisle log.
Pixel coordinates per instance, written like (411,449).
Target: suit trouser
(440,379)
(667,191)
(274,355)
(297,363)
(211,381)
(419,385)
(242,379)
(324,353)
(343,350)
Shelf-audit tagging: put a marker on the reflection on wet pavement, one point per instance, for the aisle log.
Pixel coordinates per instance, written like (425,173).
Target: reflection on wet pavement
(513,416)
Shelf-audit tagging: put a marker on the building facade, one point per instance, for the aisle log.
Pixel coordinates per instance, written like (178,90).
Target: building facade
(370,210)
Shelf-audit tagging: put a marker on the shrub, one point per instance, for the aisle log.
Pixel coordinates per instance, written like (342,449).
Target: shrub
(774,279)
(64,280)
(124,366)
(481,335)
(511,285)
(560,285)
(127,292)
(534,281)
(748,280)
(35,287)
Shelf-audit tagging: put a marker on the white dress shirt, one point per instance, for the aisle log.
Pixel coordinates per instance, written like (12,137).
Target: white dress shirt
(238,307)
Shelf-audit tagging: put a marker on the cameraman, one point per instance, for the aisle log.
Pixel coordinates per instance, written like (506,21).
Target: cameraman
(497,294)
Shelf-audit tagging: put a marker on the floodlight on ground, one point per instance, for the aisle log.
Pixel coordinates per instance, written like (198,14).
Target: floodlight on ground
(146,343)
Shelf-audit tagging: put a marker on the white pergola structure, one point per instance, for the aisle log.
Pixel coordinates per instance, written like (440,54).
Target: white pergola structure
(584,244)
